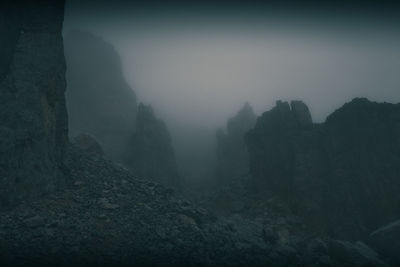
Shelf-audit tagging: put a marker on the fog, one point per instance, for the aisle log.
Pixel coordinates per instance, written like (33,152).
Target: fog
(197,67)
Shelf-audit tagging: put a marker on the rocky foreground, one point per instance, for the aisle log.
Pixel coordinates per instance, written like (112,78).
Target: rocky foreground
(106,216)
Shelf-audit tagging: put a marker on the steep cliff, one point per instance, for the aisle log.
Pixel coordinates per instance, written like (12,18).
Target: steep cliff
(99,100)
(150,153)
(33,129)
(341,175)
(232,155)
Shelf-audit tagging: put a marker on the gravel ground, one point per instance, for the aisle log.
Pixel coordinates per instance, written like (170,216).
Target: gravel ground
(105,216)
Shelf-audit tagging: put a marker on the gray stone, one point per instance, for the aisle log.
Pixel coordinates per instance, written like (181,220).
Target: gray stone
(269,235)
(89,144)
(107,205)
(317,246)
(35,221)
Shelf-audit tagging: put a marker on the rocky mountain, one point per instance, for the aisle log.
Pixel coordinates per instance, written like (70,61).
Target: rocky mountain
(103,214)
(33,128)
(232,155)
(150,153)
(342,175)
(99,100)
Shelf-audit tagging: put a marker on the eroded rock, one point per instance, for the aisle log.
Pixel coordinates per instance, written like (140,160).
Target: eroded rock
(150,154)
(232,155)
(342,175)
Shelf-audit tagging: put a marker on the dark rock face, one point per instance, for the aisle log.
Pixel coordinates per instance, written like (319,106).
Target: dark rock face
(301,112)
(99,100)
(33,129)
(273,144)
(232,155)
(342,174)
(150,153)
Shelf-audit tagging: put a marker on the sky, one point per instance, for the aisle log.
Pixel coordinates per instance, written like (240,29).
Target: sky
(197,64)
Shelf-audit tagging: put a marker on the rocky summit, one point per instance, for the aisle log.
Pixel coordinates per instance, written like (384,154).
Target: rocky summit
(150,153)
(232,156)
(342,175)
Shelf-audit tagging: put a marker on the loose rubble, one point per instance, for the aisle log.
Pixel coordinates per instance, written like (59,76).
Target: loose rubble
(106,216)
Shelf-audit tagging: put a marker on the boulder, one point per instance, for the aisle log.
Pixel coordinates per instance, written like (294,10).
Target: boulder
(34,221)
(88,144)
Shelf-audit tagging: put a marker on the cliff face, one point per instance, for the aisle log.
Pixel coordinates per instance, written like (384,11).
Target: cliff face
(33,129)
(150,153)
(99,100)
(232,155)
(342,175)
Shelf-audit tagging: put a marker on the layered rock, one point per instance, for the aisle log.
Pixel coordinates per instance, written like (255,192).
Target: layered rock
(99,100)
(150,153)
(33,129)
(341,175)
(232,155)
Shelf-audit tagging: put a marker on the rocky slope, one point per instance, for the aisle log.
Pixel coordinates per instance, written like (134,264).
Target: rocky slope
(232,155)
(99,100)
(107,217)
(342,175)
(33,128)
(150,153)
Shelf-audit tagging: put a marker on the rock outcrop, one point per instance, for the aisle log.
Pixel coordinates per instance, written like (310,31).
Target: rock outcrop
(343,175)
(150,153)
(232,155)
(99,100)
(33,128)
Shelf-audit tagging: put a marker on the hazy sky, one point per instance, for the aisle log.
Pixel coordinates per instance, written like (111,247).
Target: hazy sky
(199,64)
